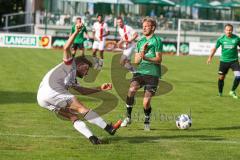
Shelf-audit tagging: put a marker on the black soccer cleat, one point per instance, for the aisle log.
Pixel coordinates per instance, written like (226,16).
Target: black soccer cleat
(94,140)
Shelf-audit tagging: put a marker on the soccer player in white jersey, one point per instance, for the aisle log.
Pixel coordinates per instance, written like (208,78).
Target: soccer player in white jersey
(53,92)
(128,36)
(100,32)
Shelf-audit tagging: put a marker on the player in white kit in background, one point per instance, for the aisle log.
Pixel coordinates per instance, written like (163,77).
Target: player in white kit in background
(53,92)
(128,36)
(100,32)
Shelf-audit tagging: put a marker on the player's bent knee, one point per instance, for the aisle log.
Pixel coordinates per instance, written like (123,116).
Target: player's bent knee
(133,89)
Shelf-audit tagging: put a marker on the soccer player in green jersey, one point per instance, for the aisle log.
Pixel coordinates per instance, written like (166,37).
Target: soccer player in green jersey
(228,59)
(148,57)
(79,40)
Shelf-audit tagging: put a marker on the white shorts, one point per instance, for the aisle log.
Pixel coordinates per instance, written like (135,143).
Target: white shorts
(52,100)
(100,45)
(129,51)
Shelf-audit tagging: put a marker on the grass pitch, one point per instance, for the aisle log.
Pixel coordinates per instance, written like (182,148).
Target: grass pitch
(30,132)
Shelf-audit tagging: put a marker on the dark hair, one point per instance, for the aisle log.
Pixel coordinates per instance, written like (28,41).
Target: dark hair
(100,15)
(78,18)
(81,59)
(119,18)
(151,20)
(228,25)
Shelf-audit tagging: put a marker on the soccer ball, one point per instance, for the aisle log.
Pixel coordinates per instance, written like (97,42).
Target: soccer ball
(183,121)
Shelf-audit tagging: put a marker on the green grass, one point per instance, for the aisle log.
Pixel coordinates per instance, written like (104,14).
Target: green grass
(30,132)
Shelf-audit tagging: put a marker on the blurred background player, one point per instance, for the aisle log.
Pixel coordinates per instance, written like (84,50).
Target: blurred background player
(128,36)
(148,57)
(78,42)
(100,31)
(228,59)
(53,92)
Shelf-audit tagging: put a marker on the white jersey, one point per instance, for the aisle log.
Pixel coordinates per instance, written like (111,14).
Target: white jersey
(100,29)
(53,91)
(126,32)
(59,79)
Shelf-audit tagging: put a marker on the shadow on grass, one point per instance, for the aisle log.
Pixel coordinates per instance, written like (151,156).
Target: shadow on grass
(218,128)
(156,139)
(8,97)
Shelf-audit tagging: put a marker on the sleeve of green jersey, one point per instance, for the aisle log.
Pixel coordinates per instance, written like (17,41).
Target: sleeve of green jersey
(73,29)
(218,43)
(159,46)
(85,29)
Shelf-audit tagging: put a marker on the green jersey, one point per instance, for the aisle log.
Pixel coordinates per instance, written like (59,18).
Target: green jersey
(80,37)
(154,45)
(229,47)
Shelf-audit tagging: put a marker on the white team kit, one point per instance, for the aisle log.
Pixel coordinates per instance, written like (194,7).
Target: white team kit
(127,33)
(99,29)
(53,91)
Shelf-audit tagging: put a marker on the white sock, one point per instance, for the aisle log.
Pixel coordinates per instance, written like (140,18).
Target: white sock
(95,60)
(81,127)
(100,62)
(94,118)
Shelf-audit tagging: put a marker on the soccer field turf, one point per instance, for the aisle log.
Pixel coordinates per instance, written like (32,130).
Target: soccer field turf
(29,132)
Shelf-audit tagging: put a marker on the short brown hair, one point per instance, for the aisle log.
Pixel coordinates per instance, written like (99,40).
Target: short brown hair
(81,59)
(151,20)
(119,18)
(228,25)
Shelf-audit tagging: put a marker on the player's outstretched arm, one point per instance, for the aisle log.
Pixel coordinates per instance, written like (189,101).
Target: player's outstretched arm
(213,51)
(86,91)
(66,49)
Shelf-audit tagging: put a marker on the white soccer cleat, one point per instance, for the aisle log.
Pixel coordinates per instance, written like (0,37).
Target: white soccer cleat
(126,122)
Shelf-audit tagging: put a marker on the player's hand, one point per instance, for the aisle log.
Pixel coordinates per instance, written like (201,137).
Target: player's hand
(209,60)
(145,46)
(78,27)
(106,86)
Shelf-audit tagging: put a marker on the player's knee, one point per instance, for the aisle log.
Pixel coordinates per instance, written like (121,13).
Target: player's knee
(221,77)
(146,103)
(73,118)
(133,89)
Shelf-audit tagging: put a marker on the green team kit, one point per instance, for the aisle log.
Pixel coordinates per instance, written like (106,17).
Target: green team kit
(80,37)
(229,48)
(154,45)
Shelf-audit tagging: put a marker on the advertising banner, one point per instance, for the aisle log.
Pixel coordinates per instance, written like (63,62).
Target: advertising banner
(202,48)
(25,41)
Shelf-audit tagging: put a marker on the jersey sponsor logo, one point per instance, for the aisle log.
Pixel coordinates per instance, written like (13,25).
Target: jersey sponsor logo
(228,46)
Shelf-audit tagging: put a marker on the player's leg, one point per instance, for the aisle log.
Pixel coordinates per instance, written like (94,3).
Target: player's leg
(91,116)
(79,125)
(82,49)
(94,54)
(223,69)
(236,70)
(147,109)
(151,84)
(101,52)
(125,59)
(134,86)
(74,49)
(58,105)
